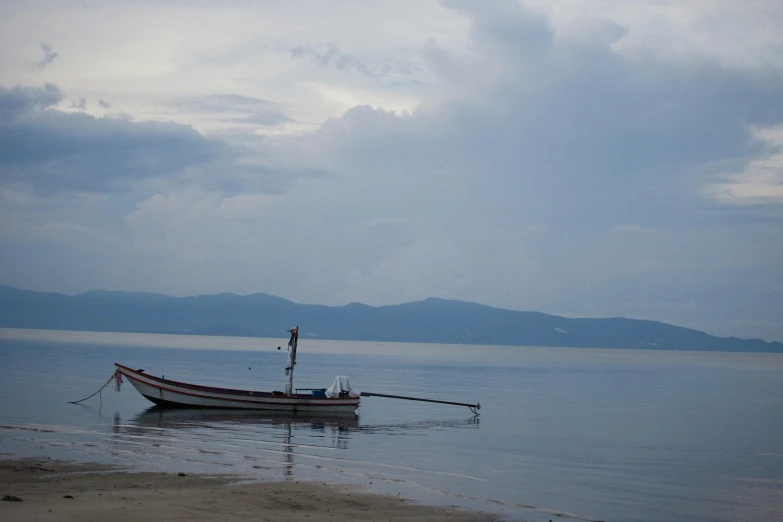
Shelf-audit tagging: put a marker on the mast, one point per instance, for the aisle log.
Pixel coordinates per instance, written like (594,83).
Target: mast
(289,371)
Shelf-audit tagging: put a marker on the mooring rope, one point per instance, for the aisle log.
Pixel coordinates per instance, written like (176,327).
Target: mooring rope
(99,390)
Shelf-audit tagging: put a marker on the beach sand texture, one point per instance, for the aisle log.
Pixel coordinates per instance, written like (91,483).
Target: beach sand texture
(53,490)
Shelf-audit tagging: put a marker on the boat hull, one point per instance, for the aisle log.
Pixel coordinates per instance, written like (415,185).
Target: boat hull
(166,393)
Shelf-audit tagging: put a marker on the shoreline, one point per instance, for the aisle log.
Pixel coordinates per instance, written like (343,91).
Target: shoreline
(58,490)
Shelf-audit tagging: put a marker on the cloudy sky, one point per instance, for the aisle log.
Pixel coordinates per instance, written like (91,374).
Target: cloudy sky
(585,158)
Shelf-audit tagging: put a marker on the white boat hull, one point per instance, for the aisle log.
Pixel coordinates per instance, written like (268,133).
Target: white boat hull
(183,395)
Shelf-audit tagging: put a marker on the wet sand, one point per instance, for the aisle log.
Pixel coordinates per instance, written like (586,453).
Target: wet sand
(54,490)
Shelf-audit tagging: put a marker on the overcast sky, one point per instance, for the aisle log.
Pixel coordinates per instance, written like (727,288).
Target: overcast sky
(584,158)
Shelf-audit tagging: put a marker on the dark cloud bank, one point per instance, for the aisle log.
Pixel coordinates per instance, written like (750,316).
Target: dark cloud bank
(54,151)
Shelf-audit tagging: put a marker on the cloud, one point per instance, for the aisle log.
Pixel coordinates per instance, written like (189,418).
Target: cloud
(761,180)
(268,119)
(236,108)
(80,105)
(506,26)
(541,123)
(53,151)
(240,176)
(48,58)
(217,103)
(23,99)
(330,55)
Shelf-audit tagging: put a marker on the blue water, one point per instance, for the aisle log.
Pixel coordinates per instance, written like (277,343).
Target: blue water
(610,435)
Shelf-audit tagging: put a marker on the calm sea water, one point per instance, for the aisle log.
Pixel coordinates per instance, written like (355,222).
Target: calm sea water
(615,435)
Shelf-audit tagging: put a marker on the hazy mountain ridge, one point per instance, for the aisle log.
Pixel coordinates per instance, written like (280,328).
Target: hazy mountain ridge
(431,321)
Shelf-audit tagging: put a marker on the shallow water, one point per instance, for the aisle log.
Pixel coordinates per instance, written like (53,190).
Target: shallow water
(588,434)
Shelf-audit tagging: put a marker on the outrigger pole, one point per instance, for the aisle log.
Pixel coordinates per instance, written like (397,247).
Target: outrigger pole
(473,407)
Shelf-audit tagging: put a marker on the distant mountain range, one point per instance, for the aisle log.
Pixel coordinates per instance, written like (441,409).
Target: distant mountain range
(429,321)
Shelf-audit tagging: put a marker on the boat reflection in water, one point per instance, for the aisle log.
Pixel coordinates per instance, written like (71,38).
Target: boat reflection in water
(234,437)
(185,418)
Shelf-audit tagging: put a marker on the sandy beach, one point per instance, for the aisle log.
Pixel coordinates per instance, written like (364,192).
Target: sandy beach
(53,490)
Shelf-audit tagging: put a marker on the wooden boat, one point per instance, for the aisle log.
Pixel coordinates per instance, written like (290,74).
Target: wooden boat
(174,394)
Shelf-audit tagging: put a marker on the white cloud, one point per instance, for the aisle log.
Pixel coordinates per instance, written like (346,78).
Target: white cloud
(761,180)
(734,34)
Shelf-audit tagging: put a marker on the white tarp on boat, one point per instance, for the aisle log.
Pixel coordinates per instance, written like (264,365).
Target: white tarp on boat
(341,384)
